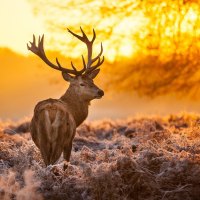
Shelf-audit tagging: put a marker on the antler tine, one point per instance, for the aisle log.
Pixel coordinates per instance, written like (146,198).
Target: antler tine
(73,66)
(100,62)
(41,43)
(94,36)
(59,65)
(84,65)
(98,56)
(84,37)
(82,70)
(33,40)
(31,43)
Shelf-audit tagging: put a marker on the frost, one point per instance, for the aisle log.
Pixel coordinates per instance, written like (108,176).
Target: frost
(139,158)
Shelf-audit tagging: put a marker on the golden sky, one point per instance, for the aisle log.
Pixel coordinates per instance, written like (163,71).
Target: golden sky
(139,39)
(18,24)
(19,20)
(120,24)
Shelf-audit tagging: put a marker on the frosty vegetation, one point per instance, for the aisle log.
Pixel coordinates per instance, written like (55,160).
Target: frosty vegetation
(139,158)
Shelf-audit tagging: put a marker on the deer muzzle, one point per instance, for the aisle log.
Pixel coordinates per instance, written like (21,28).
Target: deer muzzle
(100,93)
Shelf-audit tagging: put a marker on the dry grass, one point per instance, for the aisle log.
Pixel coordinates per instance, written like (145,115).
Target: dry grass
(140,158)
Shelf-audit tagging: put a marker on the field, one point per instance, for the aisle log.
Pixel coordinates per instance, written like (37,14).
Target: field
(141,158)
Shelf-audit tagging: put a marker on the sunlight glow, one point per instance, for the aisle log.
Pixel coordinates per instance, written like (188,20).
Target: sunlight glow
(126,49)
(124,27)
(17,25)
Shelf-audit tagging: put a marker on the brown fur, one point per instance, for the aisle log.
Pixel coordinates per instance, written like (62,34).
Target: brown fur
(54,122)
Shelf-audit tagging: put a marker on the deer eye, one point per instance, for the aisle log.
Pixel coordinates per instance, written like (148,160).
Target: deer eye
(81,84)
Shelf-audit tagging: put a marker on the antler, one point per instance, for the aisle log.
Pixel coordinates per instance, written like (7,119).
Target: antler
(87,68)
(39,51)
(89,44)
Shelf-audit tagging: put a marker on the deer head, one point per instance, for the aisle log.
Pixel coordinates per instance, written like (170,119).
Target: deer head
(81,81)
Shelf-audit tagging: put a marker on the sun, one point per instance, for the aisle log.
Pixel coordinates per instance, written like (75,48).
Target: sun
(126,50)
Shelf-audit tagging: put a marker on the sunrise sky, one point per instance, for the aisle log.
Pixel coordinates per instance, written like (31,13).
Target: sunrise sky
(136,46)
(18,24)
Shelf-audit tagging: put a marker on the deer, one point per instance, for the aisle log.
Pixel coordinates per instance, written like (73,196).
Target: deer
(54,122)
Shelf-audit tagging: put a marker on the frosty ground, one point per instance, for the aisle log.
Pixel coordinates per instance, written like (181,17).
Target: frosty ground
(149,158)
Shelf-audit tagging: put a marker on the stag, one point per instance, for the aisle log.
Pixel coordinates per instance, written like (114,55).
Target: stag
(54,122)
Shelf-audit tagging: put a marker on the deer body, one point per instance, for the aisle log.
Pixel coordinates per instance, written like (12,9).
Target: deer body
(54,122)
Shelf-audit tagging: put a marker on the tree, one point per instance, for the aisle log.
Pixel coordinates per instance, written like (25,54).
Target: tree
(151,47)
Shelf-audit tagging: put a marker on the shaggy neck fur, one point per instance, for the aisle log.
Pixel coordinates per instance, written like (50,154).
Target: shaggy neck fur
(77,105)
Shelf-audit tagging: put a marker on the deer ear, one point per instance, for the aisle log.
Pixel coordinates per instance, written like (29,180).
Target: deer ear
(94,73)
(67,77)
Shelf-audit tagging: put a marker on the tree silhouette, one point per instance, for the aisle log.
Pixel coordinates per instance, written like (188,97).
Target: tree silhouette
(164,37)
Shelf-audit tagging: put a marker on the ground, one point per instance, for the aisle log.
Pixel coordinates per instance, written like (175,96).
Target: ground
(141,158)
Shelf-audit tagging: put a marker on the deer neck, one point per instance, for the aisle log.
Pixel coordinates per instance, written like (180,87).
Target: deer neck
(78,107)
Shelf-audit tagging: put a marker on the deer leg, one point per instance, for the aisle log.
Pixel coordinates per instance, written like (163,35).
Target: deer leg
(67,151)
(43,130)
(56,151)
(66,154)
